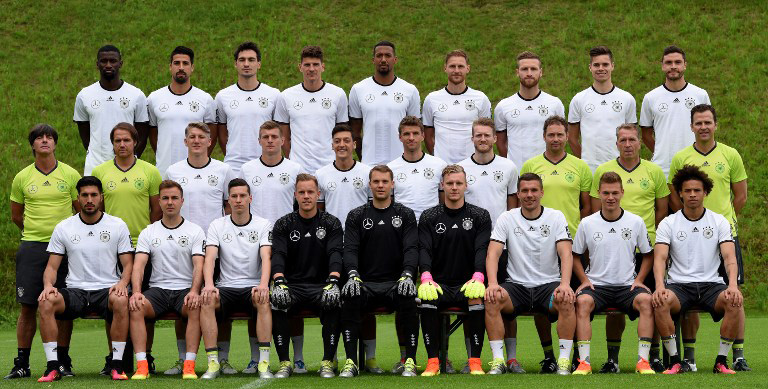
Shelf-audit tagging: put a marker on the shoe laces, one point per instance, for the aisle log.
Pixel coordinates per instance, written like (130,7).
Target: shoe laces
(410,364)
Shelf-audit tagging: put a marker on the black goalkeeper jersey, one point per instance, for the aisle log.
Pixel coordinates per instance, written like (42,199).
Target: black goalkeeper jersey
(381,243)
(453,242)
(307,250)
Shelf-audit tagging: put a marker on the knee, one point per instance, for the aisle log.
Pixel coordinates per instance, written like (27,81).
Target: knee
(584,305)
(28,311)
(644,304)
(120,304)
(45,308)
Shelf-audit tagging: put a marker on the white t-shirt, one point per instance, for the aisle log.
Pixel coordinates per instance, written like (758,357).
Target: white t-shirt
(489,185)
(382,107)
(104,109)
(452,116)
(244,111)
(523,121)
(170,253)
(205,189)
(598,115)
(532,245)
(611,246)
(92,250)
(272,187)
(417,183)
(312,116)
(239,257)
(694,246)
(171,113)
(669,113)
(343,190)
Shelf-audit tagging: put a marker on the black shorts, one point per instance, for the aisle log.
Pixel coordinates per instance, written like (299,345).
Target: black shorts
(619,297)
(80,303)
(166,300)
(537,299)
(305,297)
(235,300)
(739,263)
(650,279)
(501,274)
(452,297)
(379,294)
(702,294)
(31,260)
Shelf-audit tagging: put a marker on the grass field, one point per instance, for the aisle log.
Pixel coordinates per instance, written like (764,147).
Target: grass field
(88,350)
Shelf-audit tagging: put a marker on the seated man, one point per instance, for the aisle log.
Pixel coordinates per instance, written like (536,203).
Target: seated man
(174,248)
(611,237)
(693,240)
(95,244)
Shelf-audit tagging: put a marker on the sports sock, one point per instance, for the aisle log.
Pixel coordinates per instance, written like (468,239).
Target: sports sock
(430,328)
(497,348)
(644,348)
(50,351)
(467,346)
(689,350)
(117,350)
(298,347)
(212,354)
(565,348)
(264,351)
(281,333)
(655,350)
(670,345)
(583,346)
(223,350)
(475,322)
(23,354)
(614,346)
(725,346)
(141,357)
(190,356)
(63,354)
(547,347)
(738,349)
(181,346)
(370,348)
(254,348)
(511,345)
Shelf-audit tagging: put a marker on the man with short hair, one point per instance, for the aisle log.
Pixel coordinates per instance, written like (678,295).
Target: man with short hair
(611,236)
(449,112)
(103,104)
(173,246)
(42,195)
(691,243)
(376,106)
(519,117)
(308,111)
(242,107)
(596,111)
(95,243)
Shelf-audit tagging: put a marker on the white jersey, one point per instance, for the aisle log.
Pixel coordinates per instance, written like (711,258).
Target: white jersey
(104,109)
(669,113)
(243,112)
(523,121)
(272,187)
(312,116)
(382,107)
(532,245)
(205,189)
(170,253)
(171,113)
(92,250)
(611,245)
(417,183)
(239,256)
(452,116)
(343,190)
(598,115)
(489,185)
(694,246)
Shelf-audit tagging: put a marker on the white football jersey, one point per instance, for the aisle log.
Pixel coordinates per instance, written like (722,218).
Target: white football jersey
(239,256)
(244,111)
(611,245)
(205,189)
(523,121)
(92,250)
(417,183)
(669,113)
(272,187)
(694,246)
(343,190)
(170,253)
(312,116)
(452,116)
(382,107)
(598,115)
(489,185)
(104,109)
(532,245)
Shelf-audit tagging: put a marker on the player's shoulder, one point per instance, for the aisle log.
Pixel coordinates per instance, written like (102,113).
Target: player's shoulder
(66,169)
(696,89)
(551,213)
(402,209)
(292,165)
(362,167)
(717,217)
(632,217)
(286,220)
(112,220)
(329,220)
(26,172)
(504,163)
(334,89)
(325,170)
(103,168)
(293,90)
(478,212)
(656,92)
(355,213)
(405,84)
(583,93)
(265,88)
(90,89)
(258,221)
(434,161)
(472,92)
(436,94)
(220,221)
(147,167)
(549,97)
(609,166)
(159,93)
(193,227)
(650,167)
(130,88)
(226,91)
(576,161)
(365,83)
(726,150)
(432,213)
(507,101)
(621,92)
(199,92)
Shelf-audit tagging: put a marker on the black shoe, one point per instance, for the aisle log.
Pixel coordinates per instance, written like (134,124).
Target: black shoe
(548,366)
(740,364)
(107,369)
(19,370)
(657,366)
(151,363)
(610,366)
(66,369)
(685,367)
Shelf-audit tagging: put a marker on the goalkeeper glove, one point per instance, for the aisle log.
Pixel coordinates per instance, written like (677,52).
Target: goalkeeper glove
(474,288)
(331,293)
(428,289)
(405,285)
(281,298)
(352,287)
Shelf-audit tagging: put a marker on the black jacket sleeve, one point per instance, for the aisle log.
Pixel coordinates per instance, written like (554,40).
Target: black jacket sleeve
(334,246)
(280,244)
(352,238)
(410,241)
(425,241)
(482,239)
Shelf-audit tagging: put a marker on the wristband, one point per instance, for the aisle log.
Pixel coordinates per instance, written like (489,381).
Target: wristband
(478,276)
(426,276)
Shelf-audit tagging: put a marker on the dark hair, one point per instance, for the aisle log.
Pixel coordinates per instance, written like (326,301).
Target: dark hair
(688,173)
(672,49)
(340,128)
(530,177)
(184,51)
(384,43)
(555,119)
(42,129)
(89,181)
(410,121)
(312,52)
(238,182)
(109,49)
(167,184)
(381,169)
(126,127)
(610,178)
(301,177)
(704,108)
(248,46)
(527,55)
(600,50)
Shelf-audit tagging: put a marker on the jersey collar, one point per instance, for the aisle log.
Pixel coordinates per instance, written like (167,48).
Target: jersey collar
(201,167)
(250,218)
(180,94)
(423,154)
(135,159)
(692,220)
(248,90)
(80,215)
(603,94)
(536,218)
(704,154)
(354,163)
(52,170)
(112,90)
(675,91)
(281,161)
(378,83)
(614,220)
(472,157)
(553,162)
(524,99)
(309,91)
(628,170)
(466,88)
(172,228)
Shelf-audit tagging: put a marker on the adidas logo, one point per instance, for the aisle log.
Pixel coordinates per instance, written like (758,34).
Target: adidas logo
(179,103)
(249,99)
(531,228)
(312,100)
(384,93)
(695,229)
(554,173)
(705,164)
(170,237)
(676,100)
(198,177)
(241,234)
(381,222)
(629,181)
(270,175)
(345,180)
(456,102)
(90,233)
(46,183)
(455,226)
(603,103)
(110,98)
(485,173)
(125,179)
(529,108)
(415,171)
(612,231)
(307,235)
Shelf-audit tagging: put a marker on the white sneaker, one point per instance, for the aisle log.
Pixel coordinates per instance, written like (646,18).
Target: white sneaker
(299,367)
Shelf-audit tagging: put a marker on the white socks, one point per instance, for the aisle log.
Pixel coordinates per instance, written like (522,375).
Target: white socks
(497,348)
(583,346)
(190,356)
(141,356)
(50,351)
(117,350)
(565,348)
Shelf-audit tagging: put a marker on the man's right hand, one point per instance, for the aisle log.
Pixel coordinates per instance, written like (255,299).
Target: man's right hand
(492,293)
(47,291)
(584,285)
(280,296)
(210,294)
(352,287)
(659,296)
(136,302)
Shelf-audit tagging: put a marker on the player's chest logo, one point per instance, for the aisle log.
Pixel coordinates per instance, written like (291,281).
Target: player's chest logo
(263,102)
(297,105)
(125,103)
(285,178)
(367,223)
(543,110)
(469,105)
(194,106)
(369,98)
(401,177)
(617,106)
(663,107)
(163,107)
(471,180)
(429,173)
(442,107)
(690,102)
(398,97)
(570,177)
(156,242)
(589,108)
(95,104)
(626,234)
(256,181)
(440,228)
(320,233)
(467,223)
(138,183)
(708,232)
(515,113)
(227,238)
(326,103)
(720,167)
(234,104)
(498,176)
(544,229)
(294,236)
(183,241)
(213,180)
(518,231)
(183,181)
(645,183)
(357,183)
(253,237)
(597,236)
(331,186)
(74,238)
(32,189)
(104,236)
(681,235)
(397,221)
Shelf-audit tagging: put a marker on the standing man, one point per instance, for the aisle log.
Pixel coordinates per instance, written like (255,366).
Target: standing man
(103,104)
(241,108)
(665,112)
(171,108)
(376,106)
(595,112)
(519,117)
(308,111)
(449,112)
(380,258)
(42,195)
(94,242)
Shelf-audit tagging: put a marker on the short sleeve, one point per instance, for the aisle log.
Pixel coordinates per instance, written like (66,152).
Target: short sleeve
(281,110)
(596,182)
(485,108)
(321,186)
(151,112)
(81,113)
(144,244)
(643,240)
(74,178)
(154,180)
(17,191)
(738,173)
(723,230)
(631,116)
(342,113)
(574,110)
(579,241)
(198,243)
(674,166)
(414,104)
(212,238)
(124,240)
(229,175)
(140,113)
(221,115)
(265,236)
(499,119)
(664,231)
(56,244)
(586,178)
(427,113)
(512,185)
(527,167)
(662,189)
(561,228)
(559,108)
(210,112)
(500,230)
(355,112)
(705,99)
(646,112)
